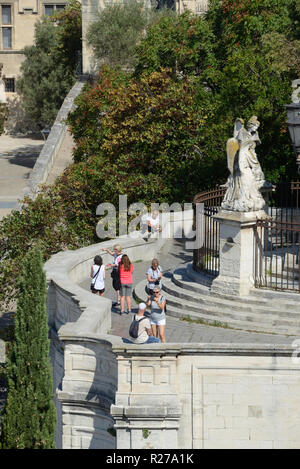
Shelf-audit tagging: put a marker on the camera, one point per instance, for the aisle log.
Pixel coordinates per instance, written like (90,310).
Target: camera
(156,282)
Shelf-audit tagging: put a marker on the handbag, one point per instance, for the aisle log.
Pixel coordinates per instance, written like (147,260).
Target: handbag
(95,278)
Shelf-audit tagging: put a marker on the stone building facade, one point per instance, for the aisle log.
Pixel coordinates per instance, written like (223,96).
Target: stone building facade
(89,14)
(17,20)
(18,17)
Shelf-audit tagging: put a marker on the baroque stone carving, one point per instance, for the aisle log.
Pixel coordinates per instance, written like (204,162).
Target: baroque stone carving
(296,92)
(246,178)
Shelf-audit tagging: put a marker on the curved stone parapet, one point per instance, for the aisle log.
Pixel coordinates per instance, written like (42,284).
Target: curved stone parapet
(115,395)
(46,159)
(85,367)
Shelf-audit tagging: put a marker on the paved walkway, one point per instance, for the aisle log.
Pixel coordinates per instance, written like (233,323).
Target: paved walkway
(63,159)
(171,256)
(17,158)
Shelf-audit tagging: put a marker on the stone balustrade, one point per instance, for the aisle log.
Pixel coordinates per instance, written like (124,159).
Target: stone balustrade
(116,395)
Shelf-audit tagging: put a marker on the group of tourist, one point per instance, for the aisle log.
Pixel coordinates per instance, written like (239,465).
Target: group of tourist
(151,326)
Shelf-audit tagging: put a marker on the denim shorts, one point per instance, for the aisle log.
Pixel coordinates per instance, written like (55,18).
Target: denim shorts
(126,289)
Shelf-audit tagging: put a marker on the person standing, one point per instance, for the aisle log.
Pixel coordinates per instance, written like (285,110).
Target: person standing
(154,276)
(126,270)
(158,313)
(98,276)
(117,256)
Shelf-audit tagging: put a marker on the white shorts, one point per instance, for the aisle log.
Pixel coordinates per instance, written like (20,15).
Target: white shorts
(162,322)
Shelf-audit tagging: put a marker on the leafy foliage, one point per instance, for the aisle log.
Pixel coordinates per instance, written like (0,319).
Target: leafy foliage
(184,43)
(148,142)
(3,116)
(29,416)
(118,29)
(159,133)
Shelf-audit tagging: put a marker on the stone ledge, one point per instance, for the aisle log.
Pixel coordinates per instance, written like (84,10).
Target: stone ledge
(52,145)
(2,351)
(204,349)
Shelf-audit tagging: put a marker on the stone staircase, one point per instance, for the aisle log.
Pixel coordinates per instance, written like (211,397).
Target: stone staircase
(189,296)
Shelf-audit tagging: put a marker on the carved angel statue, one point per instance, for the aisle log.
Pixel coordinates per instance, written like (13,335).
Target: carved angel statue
(246,177)
(296,92)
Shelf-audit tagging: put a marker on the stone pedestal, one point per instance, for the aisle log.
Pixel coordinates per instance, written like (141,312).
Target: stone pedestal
(237,248)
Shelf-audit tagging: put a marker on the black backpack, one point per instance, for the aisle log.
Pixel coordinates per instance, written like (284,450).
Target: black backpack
(134,327)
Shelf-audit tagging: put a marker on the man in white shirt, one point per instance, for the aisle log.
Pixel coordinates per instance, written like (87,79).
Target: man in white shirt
(145,335)
(153,222)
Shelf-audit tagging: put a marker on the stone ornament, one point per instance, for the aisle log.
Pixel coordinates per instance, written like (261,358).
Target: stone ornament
(246,178)
(296,92)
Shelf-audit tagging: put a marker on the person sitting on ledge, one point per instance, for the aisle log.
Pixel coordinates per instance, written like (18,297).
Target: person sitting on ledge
(144,331)
(154,226)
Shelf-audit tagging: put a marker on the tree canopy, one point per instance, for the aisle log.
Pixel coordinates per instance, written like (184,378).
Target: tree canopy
(158,133)
(48,71)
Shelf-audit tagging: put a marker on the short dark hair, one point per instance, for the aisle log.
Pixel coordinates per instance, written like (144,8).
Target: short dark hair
(98,260)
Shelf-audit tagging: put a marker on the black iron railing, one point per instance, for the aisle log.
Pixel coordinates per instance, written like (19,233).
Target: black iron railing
(277,255)
(206,258)
(277,241)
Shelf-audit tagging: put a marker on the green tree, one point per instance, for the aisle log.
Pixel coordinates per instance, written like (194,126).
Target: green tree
(68,34)
(29,417)
(3,116)
(48,71)
(149,141)
(184,43)
(118,29)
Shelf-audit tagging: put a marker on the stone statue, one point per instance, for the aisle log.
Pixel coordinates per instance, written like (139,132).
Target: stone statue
(2,87)
(246,178)
(295,94)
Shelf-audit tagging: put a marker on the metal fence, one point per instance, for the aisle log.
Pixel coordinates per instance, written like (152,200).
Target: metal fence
(206,258)
(277,241)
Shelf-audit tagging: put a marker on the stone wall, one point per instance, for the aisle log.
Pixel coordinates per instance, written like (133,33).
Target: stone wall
(52,145)
(207,396)
(115,395)
(90,9)
(84,366)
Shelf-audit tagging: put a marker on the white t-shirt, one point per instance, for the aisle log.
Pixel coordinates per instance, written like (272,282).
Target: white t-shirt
(153,221)
(156,275)
(99,282)
(142,333)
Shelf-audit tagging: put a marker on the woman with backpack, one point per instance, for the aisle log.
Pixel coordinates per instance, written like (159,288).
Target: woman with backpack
(158,313)
(126,269)
(98,276)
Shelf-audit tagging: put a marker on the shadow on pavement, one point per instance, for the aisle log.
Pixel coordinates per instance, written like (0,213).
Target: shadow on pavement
(24,156)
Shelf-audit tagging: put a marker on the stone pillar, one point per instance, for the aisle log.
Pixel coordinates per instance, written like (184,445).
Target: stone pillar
(87,391)
(237,249)
(147,409)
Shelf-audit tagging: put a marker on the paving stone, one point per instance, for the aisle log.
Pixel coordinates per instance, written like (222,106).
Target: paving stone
(174,255)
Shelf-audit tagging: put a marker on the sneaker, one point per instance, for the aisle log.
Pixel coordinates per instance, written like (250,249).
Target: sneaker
(116,303)
(122,312)
(129,312)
